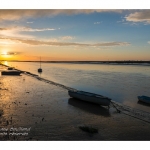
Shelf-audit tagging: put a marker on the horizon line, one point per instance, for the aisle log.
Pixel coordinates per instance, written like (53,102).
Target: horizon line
(78,61)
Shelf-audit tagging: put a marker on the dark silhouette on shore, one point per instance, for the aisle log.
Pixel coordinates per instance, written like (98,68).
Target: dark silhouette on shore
(91,62)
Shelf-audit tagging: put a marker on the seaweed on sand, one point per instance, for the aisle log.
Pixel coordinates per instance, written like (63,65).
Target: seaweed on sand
(1,113)
(88,129)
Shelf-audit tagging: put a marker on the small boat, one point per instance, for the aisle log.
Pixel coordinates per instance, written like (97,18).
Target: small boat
(90,97)
(13,72)
(10,68)
(144,99)
(40,69)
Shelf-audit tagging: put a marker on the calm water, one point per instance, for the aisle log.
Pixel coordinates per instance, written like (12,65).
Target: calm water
(122,83)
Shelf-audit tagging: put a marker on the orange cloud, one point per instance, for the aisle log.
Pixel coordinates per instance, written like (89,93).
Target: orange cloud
(50,43)
(67,38)
(17,28)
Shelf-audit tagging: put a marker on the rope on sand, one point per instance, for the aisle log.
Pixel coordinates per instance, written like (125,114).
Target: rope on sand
(136,113)
(115,107)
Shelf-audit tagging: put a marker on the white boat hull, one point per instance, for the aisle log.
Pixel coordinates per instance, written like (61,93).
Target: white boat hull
(90,97)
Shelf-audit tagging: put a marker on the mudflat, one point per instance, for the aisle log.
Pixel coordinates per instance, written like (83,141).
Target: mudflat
(34,110)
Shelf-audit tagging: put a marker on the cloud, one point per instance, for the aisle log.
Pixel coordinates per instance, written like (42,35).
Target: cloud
(112,44)
(34,30)
(5,42)
(51,43)
(140,16)
(21,14)
(97,22)
(29,22)
(26,29)
(16,30)
(148,42)
(67,38)
(11,53)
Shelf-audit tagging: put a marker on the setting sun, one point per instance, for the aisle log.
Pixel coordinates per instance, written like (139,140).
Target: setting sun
(4,53)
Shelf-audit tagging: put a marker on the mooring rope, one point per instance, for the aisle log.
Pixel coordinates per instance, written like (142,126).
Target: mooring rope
(49,81)
(115,107)
(138,114)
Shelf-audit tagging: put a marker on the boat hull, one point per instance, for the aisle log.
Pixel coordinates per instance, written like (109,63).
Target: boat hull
(90,97)
(10,73)
(39,70)
(10,68)
(144,99)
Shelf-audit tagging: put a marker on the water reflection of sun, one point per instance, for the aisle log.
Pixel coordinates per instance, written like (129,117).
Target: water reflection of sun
(5,63)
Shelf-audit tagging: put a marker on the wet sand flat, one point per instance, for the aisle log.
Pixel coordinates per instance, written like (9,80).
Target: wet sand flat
(45,112)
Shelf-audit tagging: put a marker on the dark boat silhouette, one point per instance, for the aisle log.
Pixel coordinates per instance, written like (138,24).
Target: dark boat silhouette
(144,99)
(13,72)
(40,69)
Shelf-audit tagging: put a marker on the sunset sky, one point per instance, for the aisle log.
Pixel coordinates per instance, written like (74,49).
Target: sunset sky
(75,34)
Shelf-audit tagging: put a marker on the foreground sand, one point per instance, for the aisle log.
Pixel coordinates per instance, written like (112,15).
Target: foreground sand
(45,112)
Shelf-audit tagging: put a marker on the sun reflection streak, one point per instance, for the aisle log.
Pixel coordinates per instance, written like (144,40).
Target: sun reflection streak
(5,63)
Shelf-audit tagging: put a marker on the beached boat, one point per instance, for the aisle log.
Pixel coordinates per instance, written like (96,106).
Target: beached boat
(90,97)
(13,72)
(144,99)
(10,68)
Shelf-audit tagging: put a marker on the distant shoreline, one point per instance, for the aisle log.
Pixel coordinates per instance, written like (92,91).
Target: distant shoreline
(89,62)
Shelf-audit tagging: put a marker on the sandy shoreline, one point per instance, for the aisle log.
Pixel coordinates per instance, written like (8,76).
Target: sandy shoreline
(52,116)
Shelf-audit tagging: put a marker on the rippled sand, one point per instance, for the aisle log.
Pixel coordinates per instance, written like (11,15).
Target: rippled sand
(52,115)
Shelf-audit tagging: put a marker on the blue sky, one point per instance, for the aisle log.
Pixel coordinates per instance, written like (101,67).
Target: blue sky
(75,34)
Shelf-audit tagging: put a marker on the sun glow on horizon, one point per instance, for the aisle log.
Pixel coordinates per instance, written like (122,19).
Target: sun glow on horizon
(74,35)
(4,53)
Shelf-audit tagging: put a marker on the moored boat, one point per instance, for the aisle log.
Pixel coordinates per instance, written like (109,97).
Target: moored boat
(90,97)
(144,99)
(40,69)
(10,68)
(13,72)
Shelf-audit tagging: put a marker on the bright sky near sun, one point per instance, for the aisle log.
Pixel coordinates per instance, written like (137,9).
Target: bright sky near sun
(75,34)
